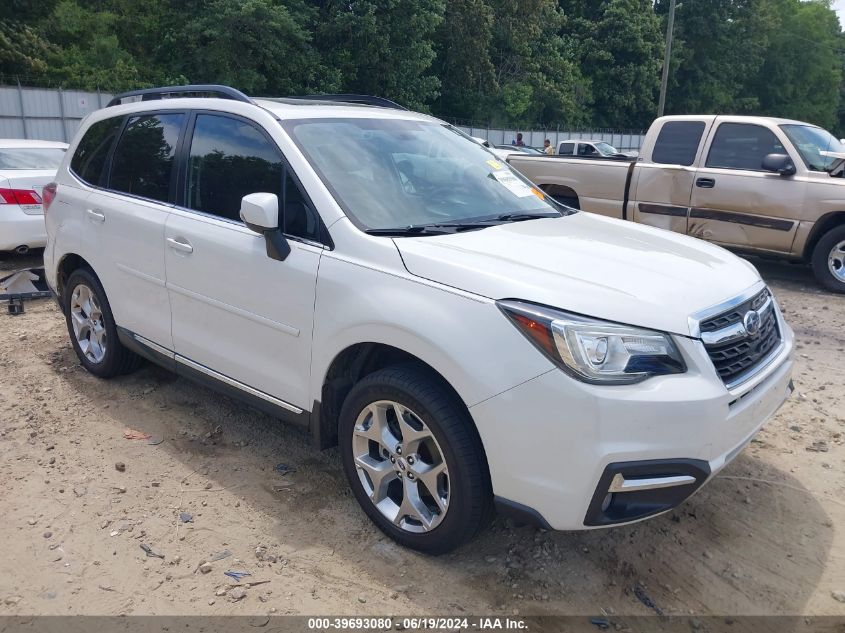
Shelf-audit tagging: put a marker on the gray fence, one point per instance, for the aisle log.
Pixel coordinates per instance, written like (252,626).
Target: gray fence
(45,113)
(54,114)
(622,140)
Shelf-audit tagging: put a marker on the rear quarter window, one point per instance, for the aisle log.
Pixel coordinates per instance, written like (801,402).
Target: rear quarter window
(677,143)
(90,156)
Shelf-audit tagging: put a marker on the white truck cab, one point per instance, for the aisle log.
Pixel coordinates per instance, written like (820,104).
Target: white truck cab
(378,277)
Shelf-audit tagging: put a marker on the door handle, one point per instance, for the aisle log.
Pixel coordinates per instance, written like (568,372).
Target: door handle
(705,183)
(95,215)
(180,244)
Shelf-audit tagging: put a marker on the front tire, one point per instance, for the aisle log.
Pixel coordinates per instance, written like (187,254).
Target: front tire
(414,460)
(829,260)
(92,329)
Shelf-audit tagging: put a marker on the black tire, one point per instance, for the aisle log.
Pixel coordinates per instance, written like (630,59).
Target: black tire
(470,495)
(821,252)
(117,359)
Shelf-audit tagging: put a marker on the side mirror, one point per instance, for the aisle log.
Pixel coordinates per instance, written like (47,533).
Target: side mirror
(260,213)
(779,163)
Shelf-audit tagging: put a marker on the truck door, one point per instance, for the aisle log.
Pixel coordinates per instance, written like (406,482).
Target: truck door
(661,188)
(737,203)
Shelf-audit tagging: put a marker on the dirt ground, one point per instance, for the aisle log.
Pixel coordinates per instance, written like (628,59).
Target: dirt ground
(766,537)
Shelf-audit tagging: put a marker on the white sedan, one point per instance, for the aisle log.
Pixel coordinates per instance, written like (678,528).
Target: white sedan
(25,167)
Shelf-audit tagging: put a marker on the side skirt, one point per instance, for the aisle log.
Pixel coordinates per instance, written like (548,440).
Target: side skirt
(213,380)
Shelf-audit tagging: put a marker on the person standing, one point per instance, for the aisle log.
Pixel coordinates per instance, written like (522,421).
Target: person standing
(518,142)
(547,147)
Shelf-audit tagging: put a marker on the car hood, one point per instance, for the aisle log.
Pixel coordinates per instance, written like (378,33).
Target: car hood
(587,264)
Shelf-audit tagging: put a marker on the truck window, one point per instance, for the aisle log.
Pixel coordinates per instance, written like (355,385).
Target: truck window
(742,146)
(677,143)
(567,149)
(586,150)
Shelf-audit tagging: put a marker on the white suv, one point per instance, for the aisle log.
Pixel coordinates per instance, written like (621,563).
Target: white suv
(377,276)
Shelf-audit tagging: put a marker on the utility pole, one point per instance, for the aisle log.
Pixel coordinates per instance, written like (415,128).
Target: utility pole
(665,80)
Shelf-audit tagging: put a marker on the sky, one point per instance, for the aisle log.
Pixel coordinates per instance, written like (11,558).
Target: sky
(839,5)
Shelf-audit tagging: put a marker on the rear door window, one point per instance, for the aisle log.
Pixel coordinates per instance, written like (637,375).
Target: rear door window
(567,149)
(90,156)
(677,143)
(143,159)
(742,146)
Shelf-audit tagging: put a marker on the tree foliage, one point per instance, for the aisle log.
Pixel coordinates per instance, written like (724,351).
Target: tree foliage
(505,62)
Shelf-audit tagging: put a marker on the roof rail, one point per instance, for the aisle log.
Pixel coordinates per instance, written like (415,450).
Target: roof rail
(352,98)
(198,90)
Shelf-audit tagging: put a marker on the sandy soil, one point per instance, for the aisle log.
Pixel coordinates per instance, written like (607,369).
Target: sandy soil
(766,537)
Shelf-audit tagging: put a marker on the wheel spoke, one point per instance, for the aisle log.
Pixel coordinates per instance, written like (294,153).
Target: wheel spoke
(380,473)
(378,430)
(428,476)
(411,437)
(78,320)
(413,507)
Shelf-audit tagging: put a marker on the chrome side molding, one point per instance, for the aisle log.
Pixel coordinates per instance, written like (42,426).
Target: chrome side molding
(620,484)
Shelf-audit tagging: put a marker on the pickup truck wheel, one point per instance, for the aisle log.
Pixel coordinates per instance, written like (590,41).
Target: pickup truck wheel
(829,260)
(413,459)
(92,329)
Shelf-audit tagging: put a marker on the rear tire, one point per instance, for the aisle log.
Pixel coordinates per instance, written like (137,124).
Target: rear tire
(91,327)
(829,260)
(427,472)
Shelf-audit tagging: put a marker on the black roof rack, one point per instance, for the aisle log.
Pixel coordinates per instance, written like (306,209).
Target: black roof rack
(352,98)
(198,90)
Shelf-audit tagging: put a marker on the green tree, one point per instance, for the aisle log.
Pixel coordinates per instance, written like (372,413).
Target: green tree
(719,48)
(802,72)
(87,54)
(383,47)
(621,48)
(535,64)
(258,46)
(463,59)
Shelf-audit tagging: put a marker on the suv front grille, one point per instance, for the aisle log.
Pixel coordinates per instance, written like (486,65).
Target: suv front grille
(732,350)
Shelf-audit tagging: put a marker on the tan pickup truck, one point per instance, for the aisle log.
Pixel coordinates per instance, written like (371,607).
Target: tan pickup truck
(755,184)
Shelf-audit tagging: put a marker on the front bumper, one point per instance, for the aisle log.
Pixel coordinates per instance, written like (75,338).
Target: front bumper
(554,444)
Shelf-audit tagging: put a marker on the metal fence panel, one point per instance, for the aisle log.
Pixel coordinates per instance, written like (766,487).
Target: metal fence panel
(45,113)
(622,140)
(54,115)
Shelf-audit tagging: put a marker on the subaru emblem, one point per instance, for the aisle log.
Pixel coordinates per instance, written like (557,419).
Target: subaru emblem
(751,321)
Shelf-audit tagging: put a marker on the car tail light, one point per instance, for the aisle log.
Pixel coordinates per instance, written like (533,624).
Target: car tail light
(49,194)
(19,196)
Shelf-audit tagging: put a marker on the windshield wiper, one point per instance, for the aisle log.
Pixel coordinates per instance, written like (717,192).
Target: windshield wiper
(444,228)
(519,217)
(418,229)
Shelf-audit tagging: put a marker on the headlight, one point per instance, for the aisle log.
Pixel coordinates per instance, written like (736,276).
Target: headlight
(595,351)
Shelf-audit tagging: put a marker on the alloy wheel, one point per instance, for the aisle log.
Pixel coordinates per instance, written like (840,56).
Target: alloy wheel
(836,261)
(88,326)
(401,466)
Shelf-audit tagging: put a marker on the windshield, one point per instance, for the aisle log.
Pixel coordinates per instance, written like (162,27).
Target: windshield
(810,140)
(606,150)
(388,173)
(31,157)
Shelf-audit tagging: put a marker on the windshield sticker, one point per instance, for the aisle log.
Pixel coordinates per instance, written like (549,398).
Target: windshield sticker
(512,184)
(494,164)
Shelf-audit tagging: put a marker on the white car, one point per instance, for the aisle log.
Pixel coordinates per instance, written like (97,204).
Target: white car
(25,167)
(376,276)
(592,149)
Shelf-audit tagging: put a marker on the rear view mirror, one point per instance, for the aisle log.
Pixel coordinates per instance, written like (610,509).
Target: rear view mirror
(260,213)
(779,163)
